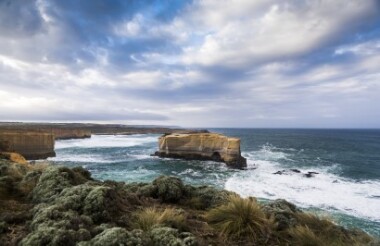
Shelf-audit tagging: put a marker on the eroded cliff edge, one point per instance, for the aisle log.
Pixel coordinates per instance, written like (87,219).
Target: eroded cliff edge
(202,146)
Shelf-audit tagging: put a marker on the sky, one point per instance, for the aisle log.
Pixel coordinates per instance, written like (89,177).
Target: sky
(197,63)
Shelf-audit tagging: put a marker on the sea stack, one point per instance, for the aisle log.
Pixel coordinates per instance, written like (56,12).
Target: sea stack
(202,146)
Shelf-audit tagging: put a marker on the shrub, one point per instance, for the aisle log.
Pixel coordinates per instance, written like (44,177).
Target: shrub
(240,218)
(166,236)
(169,189)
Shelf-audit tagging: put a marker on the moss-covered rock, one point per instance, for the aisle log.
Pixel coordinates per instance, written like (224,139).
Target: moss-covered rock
(166,236)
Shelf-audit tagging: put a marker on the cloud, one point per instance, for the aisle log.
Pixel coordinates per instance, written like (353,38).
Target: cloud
(192,63)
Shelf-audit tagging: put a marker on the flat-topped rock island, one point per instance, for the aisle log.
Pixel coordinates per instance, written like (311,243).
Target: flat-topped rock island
(202,146)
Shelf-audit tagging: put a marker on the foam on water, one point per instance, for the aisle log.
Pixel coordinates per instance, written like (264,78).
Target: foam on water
(85,158)
(325,190)
(106,141)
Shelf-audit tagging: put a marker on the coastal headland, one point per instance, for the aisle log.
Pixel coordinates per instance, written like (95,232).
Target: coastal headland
(36,140)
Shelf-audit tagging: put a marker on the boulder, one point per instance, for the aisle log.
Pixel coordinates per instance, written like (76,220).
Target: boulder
(202,146)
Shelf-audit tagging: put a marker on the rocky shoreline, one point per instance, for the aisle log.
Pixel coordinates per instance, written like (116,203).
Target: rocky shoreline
(44,204)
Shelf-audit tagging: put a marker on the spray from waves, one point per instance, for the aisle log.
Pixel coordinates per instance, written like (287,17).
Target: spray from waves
(106,141)
(325,190)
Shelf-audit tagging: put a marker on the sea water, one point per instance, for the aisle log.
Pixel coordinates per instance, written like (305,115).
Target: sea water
(346,188)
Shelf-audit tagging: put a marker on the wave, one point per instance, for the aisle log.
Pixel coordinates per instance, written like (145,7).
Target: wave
(325,190)
(106,141)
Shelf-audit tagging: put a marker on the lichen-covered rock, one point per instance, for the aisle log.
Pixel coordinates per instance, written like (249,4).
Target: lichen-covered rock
(168,189)
(166,236)
(117,236)
(283,212)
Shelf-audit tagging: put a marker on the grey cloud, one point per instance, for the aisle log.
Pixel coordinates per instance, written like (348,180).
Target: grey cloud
(19,18)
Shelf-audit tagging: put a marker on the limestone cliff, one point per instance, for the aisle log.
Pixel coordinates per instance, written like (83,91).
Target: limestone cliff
(67,133)
(202,146)
(32,145)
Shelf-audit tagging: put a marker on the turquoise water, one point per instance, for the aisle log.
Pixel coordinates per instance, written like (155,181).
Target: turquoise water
(346,188)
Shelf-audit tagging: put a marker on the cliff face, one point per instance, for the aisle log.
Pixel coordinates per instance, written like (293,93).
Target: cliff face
(203,146)
(64,133)
(32,145)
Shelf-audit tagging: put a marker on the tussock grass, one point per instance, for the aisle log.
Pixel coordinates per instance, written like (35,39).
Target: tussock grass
(303,236)
(149,217)
(241,218)
(313,230)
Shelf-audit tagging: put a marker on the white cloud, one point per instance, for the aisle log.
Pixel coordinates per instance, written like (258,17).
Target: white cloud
(365,48)
(270,32)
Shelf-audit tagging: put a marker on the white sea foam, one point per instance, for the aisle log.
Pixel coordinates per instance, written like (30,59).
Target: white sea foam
(80,158)
(325,190)
(106,141)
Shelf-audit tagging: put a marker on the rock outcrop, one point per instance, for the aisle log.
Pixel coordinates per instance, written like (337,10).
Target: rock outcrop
(32,145)
(202,146)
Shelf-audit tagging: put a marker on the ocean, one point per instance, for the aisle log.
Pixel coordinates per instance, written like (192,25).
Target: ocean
(346,188)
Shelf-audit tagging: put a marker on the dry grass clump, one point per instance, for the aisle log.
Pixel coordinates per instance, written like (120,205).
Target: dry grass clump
(313,230)
(149,217)
(303,236)
(241,218)
(40,166)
